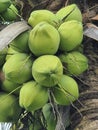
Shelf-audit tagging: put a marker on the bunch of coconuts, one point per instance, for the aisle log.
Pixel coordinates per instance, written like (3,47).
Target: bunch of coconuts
(43,60)
(8,11)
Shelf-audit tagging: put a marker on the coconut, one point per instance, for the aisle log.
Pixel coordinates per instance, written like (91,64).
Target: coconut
(75,62)
(66,91)
(3,54)
(47,70)
(9,86)
(33,96)
(70,12)
(10,52)
(38,16)
(20,43)
(9,108)
(36,125)
(18,68)
(44,39)
(49,116)
(71,35)
(4,4)
(10,14)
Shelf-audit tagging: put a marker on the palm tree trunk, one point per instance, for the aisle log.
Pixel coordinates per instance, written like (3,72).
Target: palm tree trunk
(87,116)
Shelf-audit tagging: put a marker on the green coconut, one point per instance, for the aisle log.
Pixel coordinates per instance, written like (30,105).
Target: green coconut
(3,54)
(71,35)
(10,14)
(66,92)
(4,4)
(47,70)
(70,12)
(18,68)
(33,96)
(44,39)
(10,52)
(36,125)
(9,108)
(75,62)
(20,43)
(49,117)
(38,16)
(9,86)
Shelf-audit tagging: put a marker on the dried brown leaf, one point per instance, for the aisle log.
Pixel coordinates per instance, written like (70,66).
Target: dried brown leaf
(95,18)
(91,31)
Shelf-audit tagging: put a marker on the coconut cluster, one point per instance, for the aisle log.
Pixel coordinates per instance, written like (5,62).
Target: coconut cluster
(44,60)
(8,11)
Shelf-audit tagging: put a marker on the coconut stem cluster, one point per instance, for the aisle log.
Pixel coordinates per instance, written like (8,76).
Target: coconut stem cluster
(36,59)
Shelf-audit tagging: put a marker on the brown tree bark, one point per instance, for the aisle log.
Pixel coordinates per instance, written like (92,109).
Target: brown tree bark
(87,117)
